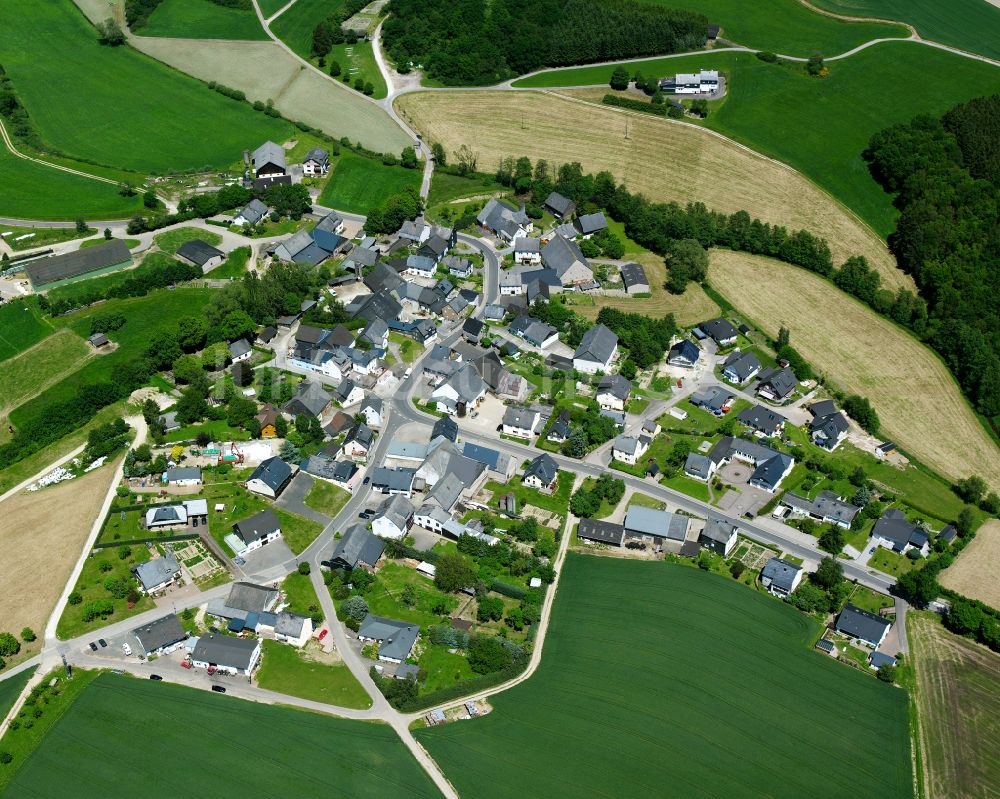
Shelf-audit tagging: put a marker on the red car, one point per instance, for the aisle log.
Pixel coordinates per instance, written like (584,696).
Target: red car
(322,634)
(186,664)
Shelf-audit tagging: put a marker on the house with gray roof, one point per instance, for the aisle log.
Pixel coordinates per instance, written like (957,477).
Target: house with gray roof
(598,349)
(780,577)
(462,390)
(628,449)
(684,353)
(828,426)
(700,467)
(634,278)
(718,535)
(156,574)
(528,250)
(589,224)
(520,422)
(720,331)
(564,256)
(182,476)
(270,478)
(316,162)
(395,638)
(359,441)
(503,220)
(862,625)
(393,481)
(379,305)
(445,426)
(827,508)
(226,653)
(763,421)
(739,366)
(310,398)
(420,266)
(251,213)
(770,466)
(300,248)
(714,399)
(894,531)
(244,598)
(613,392)
(160,636)
(542,473)
(393,518)
(385,277)
(356,548)
(499,465)
(257,530)
(200,253)
(595,531)
(268,160)
(560,207)
(777,385)
(240,351)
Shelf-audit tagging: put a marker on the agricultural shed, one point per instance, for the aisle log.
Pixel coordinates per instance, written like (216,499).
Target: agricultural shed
(59,270)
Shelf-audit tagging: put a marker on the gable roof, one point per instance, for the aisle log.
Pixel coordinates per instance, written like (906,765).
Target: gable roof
(741,364)
(895,527)
(544,467)
(157,571)
(591,223)
(396,637)
(317,154)
(198,251)
(760,418)
(310,398)
(561,253)
(357,545)
(769,465)
(379,305)
(781,573)
(361,434)
(684,351)
(445,426)
(598,344)
(698,465)
(633,275)
(157,634)
(616,385)
(717,529)
(502,218)
(269,153)
(657,523)
(858,623)
(251,598)
(397,509)
(719,330)
(226,650)
(561,205)
(600,531)
(239,348)
(393,479)
(827,505)
(273,472)
(782,382)
(258,526)
(80,262)
(253,211)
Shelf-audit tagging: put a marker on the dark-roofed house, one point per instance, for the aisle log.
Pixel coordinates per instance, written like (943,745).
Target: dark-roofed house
(457,266)
(266,336)
(684,353)
(462,390)
(597,532)
(393,481)
(59,270)
(894,531)
(780,577)
(628,449)
(700,467)
(434,248)
(268,160)
(244,599)
(761,420)
(864,626)
(634,278)
(251,213)
(257,530)
(182,476)
(948,533)
(507,222)
(720,331)
(359,441)
(394,516)
(829,426)
(598,348)
(878,659)
(528,250)
(156,574)
(520,422)
(589,224)
(777,385)
(542,473)
(300,248)
(739,367)
(316,162)
(659,526)
(827,508)
(226,653)
(613,392)
(564,256)
(380,305)
(560,207)
(445,426)
(560,429)
(472,330)
(395,638)
(719,536)
(327,232)
(160,637)
(310,398)
(770,466)
(714,399)
(98,340)
(270,478)
(200,253)
(356,548)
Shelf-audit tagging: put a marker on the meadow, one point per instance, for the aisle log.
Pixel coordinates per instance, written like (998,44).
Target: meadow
(787,26)
(171,240)
(156,133)
(270,7)
(958,701)
(820,126)
(291,671)
(11,688)
(202,19)
(971,25)
(39,236)
(303,753)
(31,371)
(295,26)
(357,184)
(724,699)
(917,399)
(34,191)
(663,160)
(974,572)
(21,326)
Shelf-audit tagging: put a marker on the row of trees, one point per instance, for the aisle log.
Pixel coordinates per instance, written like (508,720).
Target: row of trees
(645,338)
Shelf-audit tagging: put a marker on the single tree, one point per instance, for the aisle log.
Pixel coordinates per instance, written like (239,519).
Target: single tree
(619,79)
(81,226)
(304,567)
(107,233)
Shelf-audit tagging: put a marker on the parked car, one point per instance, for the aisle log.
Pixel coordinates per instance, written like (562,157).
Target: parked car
(93,647)
(213,629)
(322,634)
(102,642)
(126,649)
(219,689)
(408,372)
(211,669)
(366,481)
(156,677)
(186,664)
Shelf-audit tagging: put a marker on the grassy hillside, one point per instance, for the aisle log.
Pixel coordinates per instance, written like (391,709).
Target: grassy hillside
(357,184)
(22,325)
(820,126)
(692,687)
(786,26)
(249,749)
(972,25)
(295,26)
(115,106)
(202,19)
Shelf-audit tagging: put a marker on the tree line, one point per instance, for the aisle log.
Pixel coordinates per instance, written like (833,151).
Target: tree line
(945,174)
(473,43)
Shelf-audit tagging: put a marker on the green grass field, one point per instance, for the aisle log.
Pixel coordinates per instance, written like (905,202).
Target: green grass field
(723,698)
(172,239)
(357,184)
(289,671)
(202,19)
(358,61)
(21,377)
(40,236)
(104,118)
(326,498)
(10,690)
(786,26)
(130,243)
(269,7)
(972,25)
(21,326)
(235,265)
(33,191)
(217,742)
(820,126)
(295,27)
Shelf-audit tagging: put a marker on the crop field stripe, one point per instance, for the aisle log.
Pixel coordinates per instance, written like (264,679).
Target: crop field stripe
(673,692)
(38,367)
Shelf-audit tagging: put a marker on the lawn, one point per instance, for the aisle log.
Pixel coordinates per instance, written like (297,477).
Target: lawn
(362,759)
(686,485)
(408,349)
(910,388)
(327,498)
(672,721)
(557,502)
(300,594)
(446,188)
(21,326)
(384,597)
(869,600)
(172,239)
(295,27)
(966,24)
(357,184)
(358,61)
(39,236)
(33,191)
(90,586)
(646,501)
(234,267)
(218,429)
(130,243)
(958,701)
(890,562)
(28,373)
(443,668)
(270,7)
(291,671)
(202,19)
(88,122)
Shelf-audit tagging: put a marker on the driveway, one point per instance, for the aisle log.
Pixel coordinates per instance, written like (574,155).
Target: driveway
(293,498)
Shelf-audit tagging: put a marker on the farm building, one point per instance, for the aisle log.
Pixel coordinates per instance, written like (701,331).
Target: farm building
(704,82)
(59,270)
(200,253)
(659,526)
(598,532)
(634,278)
(560,207)
(98,340)
(268,160)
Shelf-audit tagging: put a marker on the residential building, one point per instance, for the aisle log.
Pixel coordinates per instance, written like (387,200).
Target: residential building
(827,508)
(251,213)
(629,449)
(589,224)
(226,653)
(542,473)
(560,207)
(257,530)
(348,393)
(190,511)
(719,536)
(291,628)
(356,548)
(268,160)
(780,577)
(700,467)
(720,331)
(503,220)
(371,409)
(520,422)
(182,476)
(473,330)
(862,625)
(613,392)
(564,257)
(445,426)
(658,526)
(457,266)
(240,351)
(156,574)
(316,162)
(894,531)
(270,478)
(828,426)
(684,353)
(393,481)
(560,429)
(598,349)
(160,637)
(245,600)
(763,421)
(200,253)
(595,531)
(714,399)
(770,467)
(310,399)
(266,335)
(395,638)
(420,266)
(739,367)
(528,250)
(393,518)
(359,442)
(499,465)
(777,385)
(462,391)
(704,82)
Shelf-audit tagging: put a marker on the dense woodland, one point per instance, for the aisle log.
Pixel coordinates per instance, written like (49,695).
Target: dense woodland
(473,43)
(946,177)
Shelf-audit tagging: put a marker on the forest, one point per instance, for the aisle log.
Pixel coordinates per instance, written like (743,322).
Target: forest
(945,174)
(469,43)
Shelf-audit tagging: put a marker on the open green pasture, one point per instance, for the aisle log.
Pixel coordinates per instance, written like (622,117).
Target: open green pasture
(21,377)
(291,671)
(820,126)
(786,26)
(21,326)
(357,184)
(695,687)
(202,19)
(972,25)
(105,736)
(114,105)
(295,27)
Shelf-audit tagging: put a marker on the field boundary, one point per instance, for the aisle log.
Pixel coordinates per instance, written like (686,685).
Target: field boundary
(8,142)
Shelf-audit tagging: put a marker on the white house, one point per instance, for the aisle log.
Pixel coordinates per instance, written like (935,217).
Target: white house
(393,518)
(156,574)
(240,351)
(293,629)
(260,529)
(182,476)
(628,449)
(371,409)
(780,577)
(520,422)
(270,478)
(226,654)
(395,638)
(190,511)
(528,250)
(316,162)
(613,392)
(598,349)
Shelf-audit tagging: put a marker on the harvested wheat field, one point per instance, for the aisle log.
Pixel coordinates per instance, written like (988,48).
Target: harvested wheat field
(664,160)
(689,308)
(41,536)
(976,571)
(958,707)
(916,397)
